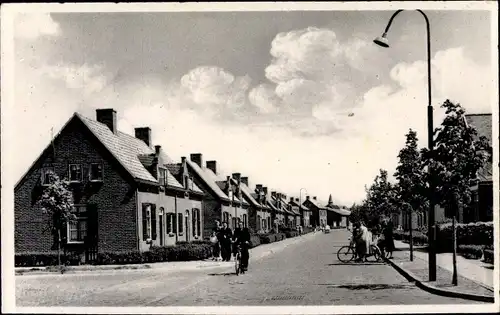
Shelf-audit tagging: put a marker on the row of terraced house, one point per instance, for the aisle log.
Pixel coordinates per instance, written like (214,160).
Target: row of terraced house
(129,195)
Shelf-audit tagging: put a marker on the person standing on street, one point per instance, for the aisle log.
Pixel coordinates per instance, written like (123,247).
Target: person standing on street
(389,238)
(225,241)
(242,239)
(215,241)
(236,234)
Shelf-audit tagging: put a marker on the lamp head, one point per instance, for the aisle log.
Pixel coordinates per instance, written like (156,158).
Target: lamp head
(382,41)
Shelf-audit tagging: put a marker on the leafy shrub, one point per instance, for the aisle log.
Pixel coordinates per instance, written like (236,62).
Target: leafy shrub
(181,252)
(419,238)
(488,256)
(470,251)
(254,241)
(45,259)
(290,234)
(478,233)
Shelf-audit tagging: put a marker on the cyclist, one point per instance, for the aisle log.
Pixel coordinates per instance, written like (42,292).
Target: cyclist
(242,239)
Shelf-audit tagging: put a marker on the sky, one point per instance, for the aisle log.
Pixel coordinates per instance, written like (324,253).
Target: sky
(299,99)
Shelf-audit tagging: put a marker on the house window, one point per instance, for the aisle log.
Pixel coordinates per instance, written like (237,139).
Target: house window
(77,229)
(170,223)
(259,223)
(264,224)
(75,172)
(180,228)
(244,220)
(148,221)
(162,176)
(95,172)
(196,222)
(225,218)
(45,178)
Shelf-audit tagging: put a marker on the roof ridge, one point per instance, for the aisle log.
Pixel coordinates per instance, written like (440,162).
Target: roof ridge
(479,114)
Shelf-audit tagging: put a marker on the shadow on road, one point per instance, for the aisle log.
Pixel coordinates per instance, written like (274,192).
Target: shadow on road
(368,286)
(223,274)
(357,264)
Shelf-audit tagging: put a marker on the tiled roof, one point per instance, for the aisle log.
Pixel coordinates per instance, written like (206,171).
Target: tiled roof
(247,192)
(127,149)
(176,170)
(338,210)
(264,205)
(483,124)
(317,204)
(301,206)
(271,205)
(210,180)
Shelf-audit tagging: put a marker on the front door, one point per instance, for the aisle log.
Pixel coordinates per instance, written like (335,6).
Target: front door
(187,227)
(161,229)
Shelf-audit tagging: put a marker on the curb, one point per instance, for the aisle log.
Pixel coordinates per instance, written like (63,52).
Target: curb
(438,291)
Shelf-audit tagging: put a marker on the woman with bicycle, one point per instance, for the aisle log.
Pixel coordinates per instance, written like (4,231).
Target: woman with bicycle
(242,239)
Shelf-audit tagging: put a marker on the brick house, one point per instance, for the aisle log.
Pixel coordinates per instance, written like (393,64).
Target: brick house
(279,212)
(254,209)
(123,193)
(233,189)
(318,211)
(304,212)
(295,209)
(218,203)
(263,220)
(335,215)
(481,208)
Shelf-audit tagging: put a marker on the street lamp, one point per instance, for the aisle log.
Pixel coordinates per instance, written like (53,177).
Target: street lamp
(300,199)
(383,42)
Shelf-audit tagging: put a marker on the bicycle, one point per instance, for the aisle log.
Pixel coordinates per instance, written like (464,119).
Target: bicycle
(347,253)
(238,264)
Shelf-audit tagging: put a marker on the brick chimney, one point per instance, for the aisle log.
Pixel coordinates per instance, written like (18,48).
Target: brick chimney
(185,176)
(212,165)
(273,194)
(197,158)
(314,198)
(307,197)
(244,180)
(258,187)
(107,116)
(297,199)
(157,149)
(291,199)
(264,189)
(144,134)
(237,177)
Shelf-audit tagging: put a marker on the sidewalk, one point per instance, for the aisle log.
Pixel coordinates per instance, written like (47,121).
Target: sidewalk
(255,254)
(472,269)
(417,271)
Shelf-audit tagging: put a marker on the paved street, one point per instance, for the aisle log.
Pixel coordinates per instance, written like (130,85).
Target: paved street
(304,273)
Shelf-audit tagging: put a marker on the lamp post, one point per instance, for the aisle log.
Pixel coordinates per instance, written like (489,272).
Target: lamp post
(300,199)
(382,41)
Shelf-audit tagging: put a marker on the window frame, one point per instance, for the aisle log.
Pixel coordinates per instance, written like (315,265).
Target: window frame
(91,172)
(180,224)
(79,218)
(170,223)
(43,174)
(69,173)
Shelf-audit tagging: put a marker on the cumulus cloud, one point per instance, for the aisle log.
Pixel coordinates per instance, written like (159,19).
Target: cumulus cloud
(311,125)
(33,25)
(214,89)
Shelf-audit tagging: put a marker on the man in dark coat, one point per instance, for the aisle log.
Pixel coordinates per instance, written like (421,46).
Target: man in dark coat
(242,238)
(225,242)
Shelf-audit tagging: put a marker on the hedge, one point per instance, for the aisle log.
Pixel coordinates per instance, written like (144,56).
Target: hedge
(478,233)
(271,238)
(470,251)
(419,238)
(488,256)
(181,252)
(254,241)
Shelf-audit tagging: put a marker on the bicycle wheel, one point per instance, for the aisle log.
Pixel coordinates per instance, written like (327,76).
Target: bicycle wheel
(376,253)
(237,264)
(345,254)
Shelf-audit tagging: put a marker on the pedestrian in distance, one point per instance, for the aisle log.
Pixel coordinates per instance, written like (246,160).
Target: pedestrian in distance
(235,236)
(242,239)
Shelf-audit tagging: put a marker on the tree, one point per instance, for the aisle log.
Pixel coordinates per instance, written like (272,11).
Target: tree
(411,185)
(381,198)
(57,202)
(459,153)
